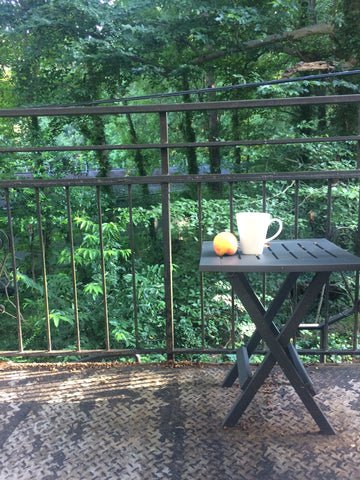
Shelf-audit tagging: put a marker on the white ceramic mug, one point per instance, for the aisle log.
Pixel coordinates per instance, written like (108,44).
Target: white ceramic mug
(252,228)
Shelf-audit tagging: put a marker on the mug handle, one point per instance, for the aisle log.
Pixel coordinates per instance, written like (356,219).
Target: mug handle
(279,229)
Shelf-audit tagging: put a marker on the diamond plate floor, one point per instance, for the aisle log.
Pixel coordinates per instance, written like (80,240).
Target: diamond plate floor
(145,422)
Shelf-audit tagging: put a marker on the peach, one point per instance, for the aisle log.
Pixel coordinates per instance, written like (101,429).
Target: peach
(225,243)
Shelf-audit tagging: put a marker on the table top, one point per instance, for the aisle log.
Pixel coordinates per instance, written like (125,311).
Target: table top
(309,255)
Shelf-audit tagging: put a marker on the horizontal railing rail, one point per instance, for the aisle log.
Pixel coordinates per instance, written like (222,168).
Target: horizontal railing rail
(179,107)
(14,317)
(182,179)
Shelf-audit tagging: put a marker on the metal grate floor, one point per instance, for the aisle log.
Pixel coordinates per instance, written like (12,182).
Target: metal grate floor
(145,422)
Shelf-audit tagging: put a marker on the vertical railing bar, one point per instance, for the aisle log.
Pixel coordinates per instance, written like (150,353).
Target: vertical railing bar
(73,269)
(264,210)
(43,265)
(264,196)
(232,316)
(14,268)
(200,236)
(325,330)
(358,142)
(231,202)
(133,272)
(356,312)
(103,273)
(357,249)
(328,210)
(296,235)
(167,252)
(296,208)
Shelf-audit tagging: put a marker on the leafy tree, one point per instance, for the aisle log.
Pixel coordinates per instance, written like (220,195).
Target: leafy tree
(87,50)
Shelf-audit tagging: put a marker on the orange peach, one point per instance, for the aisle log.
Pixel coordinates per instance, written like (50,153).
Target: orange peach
(225,243)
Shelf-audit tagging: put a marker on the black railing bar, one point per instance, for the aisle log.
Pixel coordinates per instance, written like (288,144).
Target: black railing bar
(296,210)
(328,352)
(324,297)
(200,234)
(232,229)
(358,130)
(230,351)
(357,248)
(178,107)
(324,333)
(166,226)
(356,313)
(178,145)
(14,269)
(83,353)
(231,203)
(162,351)
(73,269)
(186,178)
(133,271)
(264,276)
(43,267)
(328,209)
(263,195)
(102,266)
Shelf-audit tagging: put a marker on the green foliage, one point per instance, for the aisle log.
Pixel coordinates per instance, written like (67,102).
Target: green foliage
(84,51)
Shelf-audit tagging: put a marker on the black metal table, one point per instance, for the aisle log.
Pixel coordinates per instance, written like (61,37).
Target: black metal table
(291,257)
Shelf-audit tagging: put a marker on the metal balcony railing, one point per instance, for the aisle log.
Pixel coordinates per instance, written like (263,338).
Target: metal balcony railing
(33,324)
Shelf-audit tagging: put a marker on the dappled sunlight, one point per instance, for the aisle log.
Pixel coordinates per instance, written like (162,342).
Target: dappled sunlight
(74,386)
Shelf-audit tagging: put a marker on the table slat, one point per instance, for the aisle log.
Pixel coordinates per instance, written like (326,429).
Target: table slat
(305,255)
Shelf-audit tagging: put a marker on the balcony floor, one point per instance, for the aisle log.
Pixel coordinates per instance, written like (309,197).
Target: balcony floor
(139,422)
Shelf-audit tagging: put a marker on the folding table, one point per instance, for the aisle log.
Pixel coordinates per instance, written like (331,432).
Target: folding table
(319,257)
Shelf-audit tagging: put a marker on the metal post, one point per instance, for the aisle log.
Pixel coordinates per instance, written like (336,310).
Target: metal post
(202,301)
(43,265)
(167,253)
(133,270)
(103,271)
(357,245)
(14,270)
(73,269)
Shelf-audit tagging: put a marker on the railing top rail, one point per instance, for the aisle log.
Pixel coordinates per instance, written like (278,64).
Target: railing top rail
(178,107)
(187,178)
(149,146)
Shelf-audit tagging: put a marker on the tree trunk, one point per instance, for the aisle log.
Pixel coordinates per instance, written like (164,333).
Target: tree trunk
(189,132)
(139,157)
(236,135)
(214,152)
(98,138)
(35,136)
(348,33)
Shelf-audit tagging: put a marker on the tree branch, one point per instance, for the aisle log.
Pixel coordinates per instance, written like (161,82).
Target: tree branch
(318,29)
(307,67)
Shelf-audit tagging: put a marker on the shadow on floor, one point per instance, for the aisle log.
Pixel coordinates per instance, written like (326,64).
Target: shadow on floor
(143,422)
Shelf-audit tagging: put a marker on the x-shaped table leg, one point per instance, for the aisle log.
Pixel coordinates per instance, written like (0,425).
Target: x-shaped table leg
(268,315)
(277,343)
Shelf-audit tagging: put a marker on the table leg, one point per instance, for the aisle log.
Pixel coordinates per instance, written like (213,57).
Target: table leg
(274,307)
(277,346)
